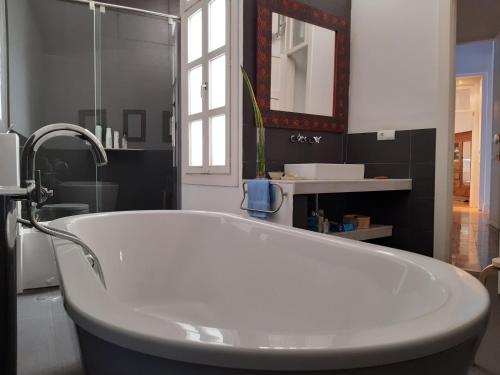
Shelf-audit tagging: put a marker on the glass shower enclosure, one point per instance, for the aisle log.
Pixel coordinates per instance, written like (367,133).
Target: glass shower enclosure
(112,70)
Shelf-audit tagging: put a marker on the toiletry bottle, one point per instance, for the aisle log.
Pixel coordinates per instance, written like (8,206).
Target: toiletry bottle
(124,141)
(326,226)
(116,139)
(321,218)
(312,222)
(109,138)
(98,132)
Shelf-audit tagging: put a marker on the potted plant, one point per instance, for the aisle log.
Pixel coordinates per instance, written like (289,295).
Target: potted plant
(259,124)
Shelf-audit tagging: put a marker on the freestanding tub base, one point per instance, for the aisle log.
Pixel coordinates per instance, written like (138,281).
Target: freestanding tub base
(103,358)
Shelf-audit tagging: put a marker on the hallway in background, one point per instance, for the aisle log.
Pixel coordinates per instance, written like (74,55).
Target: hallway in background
(474,242)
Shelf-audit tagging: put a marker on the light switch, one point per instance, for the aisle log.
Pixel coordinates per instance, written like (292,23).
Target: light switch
(386,135)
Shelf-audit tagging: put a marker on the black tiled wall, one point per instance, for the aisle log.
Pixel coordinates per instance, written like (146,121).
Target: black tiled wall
(146,178)
(411,155)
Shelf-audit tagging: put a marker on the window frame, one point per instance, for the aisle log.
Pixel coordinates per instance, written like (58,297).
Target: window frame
(187,4)
(226,175)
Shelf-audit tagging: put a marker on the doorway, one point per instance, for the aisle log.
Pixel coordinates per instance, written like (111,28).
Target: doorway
(468,134)
(473,240)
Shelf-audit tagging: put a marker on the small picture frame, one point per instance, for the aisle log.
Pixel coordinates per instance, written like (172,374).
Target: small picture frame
(134,124)
(166,134)
(88,118)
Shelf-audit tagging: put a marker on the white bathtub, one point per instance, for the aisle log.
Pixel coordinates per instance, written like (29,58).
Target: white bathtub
(198,291)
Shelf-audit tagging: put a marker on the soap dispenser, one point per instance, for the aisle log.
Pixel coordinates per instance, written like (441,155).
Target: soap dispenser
(124,141)
(109,138)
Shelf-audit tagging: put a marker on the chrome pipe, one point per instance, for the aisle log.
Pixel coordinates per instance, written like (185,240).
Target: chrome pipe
(63,235)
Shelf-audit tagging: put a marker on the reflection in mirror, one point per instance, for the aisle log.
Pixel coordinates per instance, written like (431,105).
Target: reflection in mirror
(302,67)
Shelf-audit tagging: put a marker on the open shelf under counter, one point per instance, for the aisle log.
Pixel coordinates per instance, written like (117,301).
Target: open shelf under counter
(344,186)
(375,231)
(294,207)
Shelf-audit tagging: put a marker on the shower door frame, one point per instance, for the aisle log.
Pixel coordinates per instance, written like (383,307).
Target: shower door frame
(126,8)
(176,143)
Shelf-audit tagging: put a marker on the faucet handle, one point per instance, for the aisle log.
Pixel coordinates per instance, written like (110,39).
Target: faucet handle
(41,194)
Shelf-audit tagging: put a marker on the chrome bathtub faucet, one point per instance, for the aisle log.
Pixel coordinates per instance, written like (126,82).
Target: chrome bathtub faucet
(31,177)
(37,195)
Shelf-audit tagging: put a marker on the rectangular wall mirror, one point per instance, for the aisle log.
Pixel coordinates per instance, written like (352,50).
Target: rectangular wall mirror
(302,66)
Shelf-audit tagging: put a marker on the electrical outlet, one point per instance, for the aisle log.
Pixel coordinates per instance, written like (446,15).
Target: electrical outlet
(386,135)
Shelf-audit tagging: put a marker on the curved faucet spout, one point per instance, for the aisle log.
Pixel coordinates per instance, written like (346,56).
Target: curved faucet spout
(37,195)
(56,130)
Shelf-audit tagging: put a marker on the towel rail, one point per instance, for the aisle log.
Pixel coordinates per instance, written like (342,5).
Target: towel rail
(245,193)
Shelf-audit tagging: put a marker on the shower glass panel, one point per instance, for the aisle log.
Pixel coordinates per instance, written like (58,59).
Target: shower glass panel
(137,77)
(51,80)
(106,68)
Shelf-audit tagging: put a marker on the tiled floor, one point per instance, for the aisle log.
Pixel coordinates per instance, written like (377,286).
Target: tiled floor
(47,343)
(474,243)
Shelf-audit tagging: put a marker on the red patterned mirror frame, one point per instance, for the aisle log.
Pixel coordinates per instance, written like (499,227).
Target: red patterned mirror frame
(301,121)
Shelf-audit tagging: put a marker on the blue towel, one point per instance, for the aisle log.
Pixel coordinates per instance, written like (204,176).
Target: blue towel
(260,197)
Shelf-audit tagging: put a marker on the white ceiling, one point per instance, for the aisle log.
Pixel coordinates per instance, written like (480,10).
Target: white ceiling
(477,20)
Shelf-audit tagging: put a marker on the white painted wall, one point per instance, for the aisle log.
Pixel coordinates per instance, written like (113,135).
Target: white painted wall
(394,65)
(477,59)
(211,198)
(463,123)
(402,77)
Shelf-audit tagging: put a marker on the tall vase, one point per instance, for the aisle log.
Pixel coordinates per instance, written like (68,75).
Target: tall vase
(261,153)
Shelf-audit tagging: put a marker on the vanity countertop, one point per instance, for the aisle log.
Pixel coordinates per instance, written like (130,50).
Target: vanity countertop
(344,186)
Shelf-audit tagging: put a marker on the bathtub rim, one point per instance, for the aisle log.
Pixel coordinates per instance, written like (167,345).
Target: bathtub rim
(69,263)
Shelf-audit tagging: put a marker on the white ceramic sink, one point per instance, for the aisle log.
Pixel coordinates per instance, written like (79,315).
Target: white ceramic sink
(316,171)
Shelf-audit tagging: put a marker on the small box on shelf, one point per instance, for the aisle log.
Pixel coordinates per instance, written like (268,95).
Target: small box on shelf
(371,233)
(361,221)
